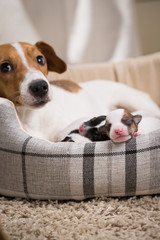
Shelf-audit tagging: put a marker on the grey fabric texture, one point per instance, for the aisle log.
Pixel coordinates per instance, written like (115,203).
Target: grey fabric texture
(36,169)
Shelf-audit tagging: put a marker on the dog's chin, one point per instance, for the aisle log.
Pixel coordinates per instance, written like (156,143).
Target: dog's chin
(36,103)
(39,104)
(121,139)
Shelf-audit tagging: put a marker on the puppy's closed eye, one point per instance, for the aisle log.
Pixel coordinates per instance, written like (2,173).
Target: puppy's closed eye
(127,122)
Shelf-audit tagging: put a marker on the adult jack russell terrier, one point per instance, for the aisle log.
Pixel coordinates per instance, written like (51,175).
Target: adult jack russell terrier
(44,109)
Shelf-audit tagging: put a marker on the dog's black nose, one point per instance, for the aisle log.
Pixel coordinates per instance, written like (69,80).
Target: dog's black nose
(38,88)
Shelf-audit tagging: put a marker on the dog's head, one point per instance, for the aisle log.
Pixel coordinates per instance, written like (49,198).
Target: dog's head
(121,125)
(23,72)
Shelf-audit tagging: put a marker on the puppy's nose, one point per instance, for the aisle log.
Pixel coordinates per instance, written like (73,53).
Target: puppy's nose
(38,88)
(119,131)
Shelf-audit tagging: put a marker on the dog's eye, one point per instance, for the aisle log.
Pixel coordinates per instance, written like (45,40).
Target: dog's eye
(6,67)
(127,122)
(41,60)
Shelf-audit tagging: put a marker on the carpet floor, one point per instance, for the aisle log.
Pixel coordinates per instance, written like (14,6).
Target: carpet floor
(96,219)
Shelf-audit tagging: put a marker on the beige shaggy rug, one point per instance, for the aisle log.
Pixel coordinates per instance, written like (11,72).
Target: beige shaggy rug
(99,219)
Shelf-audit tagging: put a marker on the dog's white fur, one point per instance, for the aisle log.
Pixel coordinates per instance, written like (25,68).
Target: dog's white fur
(96,98)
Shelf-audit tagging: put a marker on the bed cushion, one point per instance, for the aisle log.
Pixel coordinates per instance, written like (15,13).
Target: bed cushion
(142,73)
(37,169)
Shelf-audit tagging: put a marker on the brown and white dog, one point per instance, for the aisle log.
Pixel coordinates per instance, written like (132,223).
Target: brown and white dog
(45,110)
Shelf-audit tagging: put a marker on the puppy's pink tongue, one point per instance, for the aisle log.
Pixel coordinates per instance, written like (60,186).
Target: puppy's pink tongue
(136,134)
(81,129)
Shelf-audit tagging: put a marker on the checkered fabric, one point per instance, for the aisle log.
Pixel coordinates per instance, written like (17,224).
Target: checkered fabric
(36,169)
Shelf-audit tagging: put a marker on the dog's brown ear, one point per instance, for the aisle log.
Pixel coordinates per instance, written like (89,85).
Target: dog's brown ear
(53,61)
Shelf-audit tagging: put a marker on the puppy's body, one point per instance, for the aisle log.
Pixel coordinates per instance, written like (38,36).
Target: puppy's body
(45,110)
(92,130)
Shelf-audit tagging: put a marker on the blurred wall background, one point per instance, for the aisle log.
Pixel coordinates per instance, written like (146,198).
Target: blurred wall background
(84,30)
(148,24)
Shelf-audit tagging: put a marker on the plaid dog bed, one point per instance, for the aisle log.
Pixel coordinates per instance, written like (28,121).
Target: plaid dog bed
(36,169)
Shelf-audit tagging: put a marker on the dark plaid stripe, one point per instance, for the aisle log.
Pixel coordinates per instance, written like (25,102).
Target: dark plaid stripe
(59,155)
(131,168)
(109,169)
(24,166)
(154,169)
(88,169)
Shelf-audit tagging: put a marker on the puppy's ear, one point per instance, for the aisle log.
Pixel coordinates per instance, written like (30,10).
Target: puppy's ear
(54,63)
(137,118)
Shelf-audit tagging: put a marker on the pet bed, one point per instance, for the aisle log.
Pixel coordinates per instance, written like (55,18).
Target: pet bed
(37,169)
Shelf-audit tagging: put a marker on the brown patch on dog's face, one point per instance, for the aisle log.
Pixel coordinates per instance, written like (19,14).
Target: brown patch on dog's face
(131,121)
(35,58)
(107,127)
(12,72)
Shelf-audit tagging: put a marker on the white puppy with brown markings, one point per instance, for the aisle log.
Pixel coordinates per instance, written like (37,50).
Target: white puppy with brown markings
(45,110)
(121,125)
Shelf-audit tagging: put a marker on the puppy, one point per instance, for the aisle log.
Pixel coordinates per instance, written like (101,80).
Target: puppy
(44,109)
(92,130)
(119,126)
